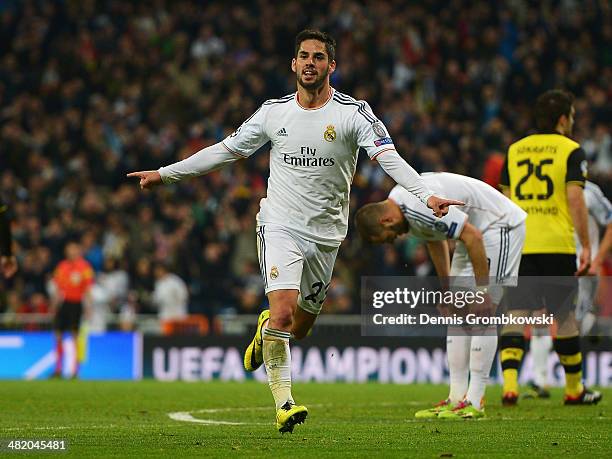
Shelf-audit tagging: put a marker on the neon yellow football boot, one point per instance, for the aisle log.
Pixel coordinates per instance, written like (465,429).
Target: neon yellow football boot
(289,415)
(253,356)
(463,410)
(432,413)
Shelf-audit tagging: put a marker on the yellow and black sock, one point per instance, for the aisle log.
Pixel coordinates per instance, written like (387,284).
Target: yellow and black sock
(511,354)
(570,356)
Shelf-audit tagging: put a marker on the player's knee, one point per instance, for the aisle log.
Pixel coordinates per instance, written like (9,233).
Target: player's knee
(281,320)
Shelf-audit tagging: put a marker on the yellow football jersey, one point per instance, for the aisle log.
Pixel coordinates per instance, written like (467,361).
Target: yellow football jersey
(537,170)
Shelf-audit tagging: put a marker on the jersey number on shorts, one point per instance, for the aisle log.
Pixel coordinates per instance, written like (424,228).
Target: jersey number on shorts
(313,296)
(531,167)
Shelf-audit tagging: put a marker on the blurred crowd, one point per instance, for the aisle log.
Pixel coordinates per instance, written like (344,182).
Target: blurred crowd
(90,90)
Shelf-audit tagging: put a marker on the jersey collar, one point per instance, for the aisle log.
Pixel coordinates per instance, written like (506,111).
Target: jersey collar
(330,97)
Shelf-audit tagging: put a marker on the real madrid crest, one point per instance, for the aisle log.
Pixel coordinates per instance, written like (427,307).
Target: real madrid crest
(330,133)
(378,129)
(273,272)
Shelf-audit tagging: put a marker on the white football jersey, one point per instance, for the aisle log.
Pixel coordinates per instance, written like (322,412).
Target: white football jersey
(312,161)
(599,211)
(485,207)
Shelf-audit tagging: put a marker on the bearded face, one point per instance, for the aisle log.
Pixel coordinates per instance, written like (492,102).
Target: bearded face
(312,66)
(310,79)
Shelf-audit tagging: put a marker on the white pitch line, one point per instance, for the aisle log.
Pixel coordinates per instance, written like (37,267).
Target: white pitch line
(226,410)
(185,416)
(316,405)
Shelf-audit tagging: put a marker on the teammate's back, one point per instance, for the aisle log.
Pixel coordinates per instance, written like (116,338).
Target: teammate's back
(484,204)
(537,170)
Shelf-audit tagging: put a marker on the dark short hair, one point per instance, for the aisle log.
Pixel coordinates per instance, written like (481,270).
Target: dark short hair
(310,34)
(367,220)
(550,106)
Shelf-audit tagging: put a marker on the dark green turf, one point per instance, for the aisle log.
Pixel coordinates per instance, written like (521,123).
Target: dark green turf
(104,419)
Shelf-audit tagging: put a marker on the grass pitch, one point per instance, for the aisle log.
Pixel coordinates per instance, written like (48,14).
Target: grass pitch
(121,419)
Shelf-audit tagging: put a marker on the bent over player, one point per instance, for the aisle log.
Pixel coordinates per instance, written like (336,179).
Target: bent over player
(315,135)
(490,232)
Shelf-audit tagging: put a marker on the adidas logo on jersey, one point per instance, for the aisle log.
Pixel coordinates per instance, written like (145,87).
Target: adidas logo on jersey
(282,132)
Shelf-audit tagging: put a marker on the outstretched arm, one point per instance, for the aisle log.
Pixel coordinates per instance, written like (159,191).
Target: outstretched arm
(206,160)
(374,138)
(400,171)
(245,141)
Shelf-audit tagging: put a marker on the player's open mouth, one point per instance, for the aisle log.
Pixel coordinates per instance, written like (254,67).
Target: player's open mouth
(309,73)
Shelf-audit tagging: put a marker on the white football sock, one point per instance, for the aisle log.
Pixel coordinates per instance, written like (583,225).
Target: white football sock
(458,353)
(277,360)
(482,354)
(541,345)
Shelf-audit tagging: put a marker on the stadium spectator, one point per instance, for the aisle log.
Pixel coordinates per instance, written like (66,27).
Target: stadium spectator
(8,262)
(98,307)
(37,304)
(92,250)
(492,169)
(338,300)
(250,290)
(108,294)
(115,281)
(170,295)
(141,288)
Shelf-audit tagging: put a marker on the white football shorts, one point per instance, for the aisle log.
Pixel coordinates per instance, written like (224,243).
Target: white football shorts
(288,261)
(503,246)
